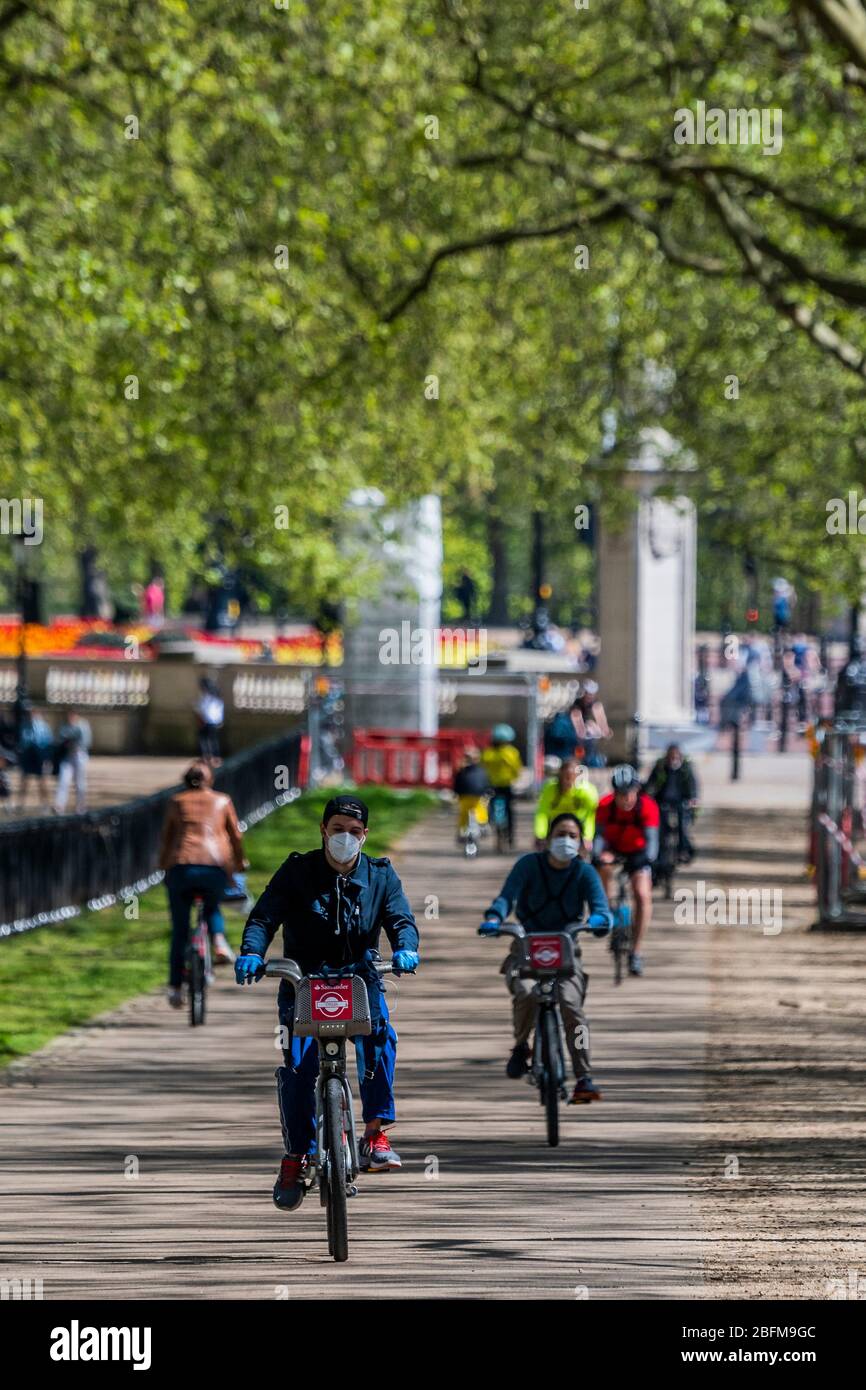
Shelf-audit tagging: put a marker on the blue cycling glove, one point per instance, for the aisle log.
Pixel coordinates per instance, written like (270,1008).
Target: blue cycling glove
(247,969)
(404,962)
(599,924)
(489,928)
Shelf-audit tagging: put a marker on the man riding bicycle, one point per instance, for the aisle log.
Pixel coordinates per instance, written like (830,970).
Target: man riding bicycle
(547,891)
(570,790)
(627,829)
(673,783)
(332,904)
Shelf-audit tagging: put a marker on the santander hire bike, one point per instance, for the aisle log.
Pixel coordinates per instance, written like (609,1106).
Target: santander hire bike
(332,1007)
(547,957)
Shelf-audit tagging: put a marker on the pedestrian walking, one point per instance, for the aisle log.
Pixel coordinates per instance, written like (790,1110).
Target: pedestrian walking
(74,741)
(210,714)
(34,754)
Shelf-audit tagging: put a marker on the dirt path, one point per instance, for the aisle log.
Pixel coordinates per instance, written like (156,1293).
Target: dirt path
(785,1105)
(735,1045)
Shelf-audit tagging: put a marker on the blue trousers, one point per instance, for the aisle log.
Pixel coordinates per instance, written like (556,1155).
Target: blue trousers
(376,1056)
(185,882)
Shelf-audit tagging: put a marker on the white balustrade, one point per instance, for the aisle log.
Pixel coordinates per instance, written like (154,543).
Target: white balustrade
(102,688)
(272,694)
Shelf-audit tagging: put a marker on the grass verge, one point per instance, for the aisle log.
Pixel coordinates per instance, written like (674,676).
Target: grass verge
(59,977)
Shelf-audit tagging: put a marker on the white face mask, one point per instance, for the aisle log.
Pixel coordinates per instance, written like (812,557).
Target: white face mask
(343,847)
(564,848)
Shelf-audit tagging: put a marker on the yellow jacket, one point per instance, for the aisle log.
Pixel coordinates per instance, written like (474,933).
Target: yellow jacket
(580,800)
(502,764)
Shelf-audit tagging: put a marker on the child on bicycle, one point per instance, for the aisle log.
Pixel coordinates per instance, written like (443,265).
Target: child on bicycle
(471,787)
(547,891)
(502,763)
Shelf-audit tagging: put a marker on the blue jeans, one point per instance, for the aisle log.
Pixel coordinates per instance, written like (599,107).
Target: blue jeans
(376,1056)
(186,882)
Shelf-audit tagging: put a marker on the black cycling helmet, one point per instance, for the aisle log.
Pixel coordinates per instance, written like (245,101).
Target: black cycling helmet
(624,777)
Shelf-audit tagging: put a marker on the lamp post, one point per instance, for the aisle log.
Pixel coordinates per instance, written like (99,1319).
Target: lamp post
(21,553)
(851,684)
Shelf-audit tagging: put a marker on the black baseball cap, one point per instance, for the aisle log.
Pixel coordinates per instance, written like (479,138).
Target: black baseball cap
(347,805)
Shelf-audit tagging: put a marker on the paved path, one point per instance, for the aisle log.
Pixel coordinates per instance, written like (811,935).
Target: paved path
(739,1053)
(109,781)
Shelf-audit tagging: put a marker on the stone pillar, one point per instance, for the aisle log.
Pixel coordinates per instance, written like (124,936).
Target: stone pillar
(646,583)
(390,635)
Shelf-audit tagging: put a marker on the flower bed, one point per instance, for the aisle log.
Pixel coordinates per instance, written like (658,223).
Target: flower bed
(80,638)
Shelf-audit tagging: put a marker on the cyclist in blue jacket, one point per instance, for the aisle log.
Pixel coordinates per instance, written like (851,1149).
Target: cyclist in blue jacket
(547,891)
(332,904)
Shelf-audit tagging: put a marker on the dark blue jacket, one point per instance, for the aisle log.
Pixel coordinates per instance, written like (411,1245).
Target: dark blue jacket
(547,899)
(329,918)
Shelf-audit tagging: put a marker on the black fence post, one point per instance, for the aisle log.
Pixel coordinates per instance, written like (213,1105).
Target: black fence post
(784,710)
(735,750)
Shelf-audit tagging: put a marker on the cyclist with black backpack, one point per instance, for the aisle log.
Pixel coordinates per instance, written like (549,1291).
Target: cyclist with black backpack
(548,891)
(627,829)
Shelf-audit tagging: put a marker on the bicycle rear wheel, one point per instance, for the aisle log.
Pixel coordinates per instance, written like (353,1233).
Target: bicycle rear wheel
(335,1141)
(549,1055)
(197,989)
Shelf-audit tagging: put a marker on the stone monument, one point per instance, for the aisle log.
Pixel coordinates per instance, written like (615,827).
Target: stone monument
(646,587)
(391,634)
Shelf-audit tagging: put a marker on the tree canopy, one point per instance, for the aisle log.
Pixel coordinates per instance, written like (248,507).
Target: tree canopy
(254,256)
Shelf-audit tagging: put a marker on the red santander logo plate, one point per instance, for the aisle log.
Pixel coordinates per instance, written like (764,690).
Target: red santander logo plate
(545,952)
(331,1002)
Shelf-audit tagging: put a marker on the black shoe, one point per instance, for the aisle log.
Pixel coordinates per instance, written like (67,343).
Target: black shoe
(290,1188)
(518,1063)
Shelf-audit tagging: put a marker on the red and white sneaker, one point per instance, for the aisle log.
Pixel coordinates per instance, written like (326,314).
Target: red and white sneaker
(290,1187)
(222,951)
(377,1156)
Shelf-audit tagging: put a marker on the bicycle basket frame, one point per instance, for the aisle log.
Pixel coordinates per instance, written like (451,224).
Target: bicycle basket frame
(332,1008)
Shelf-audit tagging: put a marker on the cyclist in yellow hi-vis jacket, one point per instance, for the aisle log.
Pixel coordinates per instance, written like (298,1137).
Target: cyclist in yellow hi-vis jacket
(501,761)
(570,791)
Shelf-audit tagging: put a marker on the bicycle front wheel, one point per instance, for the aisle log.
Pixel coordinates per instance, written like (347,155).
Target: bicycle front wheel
(620,941)
(335,1141)
(549,1055)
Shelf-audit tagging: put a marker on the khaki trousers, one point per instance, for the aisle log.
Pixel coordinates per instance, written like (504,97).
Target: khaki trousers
(571,992)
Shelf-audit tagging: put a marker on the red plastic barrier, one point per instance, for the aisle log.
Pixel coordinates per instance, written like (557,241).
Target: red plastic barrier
(462,738)
(304,762)
(406,758)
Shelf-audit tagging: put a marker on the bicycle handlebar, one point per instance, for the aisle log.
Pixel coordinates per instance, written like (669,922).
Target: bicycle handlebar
(286,969)
(519,932)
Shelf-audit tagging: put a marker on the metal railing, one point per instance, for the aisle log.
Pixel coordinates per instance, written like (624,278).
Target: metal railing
(51,867)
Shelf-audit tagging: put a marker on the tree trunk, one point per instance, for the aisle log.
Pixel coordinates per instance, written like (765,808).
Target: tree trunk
(89,603)
(537,556)
(497,614)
